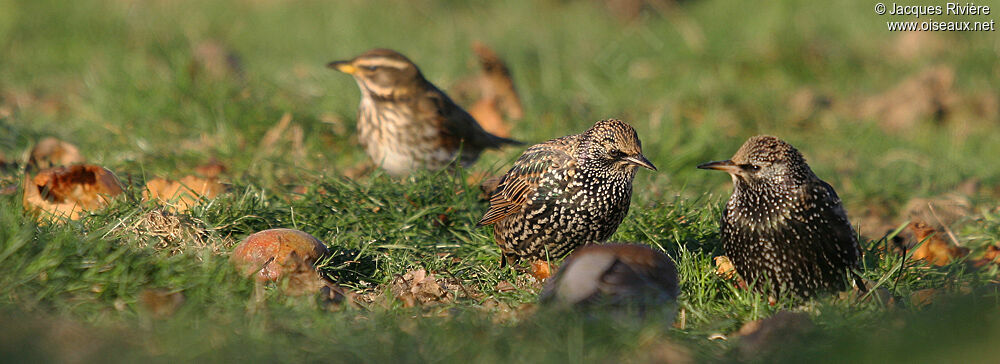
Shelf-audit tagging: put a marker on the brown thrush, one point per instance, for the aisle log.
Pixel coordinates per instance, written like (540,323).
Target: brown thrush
(405,122)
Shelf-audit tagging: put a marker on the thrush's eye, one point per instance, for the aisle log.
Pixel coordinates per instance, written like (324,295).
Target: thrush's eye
(370,68)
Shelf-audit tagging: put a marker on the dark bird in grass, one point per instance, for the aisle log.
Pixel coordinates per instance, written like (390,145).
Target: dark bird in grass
(617,275)
(783,227)
(405,123)
(566,192)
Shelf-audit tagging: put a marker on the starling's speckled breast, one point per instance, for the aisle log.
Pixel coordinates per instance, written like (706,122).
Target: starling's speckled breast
(570,207)
(566,192)
(783,227)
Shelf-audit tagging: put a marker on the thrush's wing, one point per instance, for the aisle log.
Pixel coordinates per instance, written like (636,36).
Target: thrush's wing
(524,177)
(456,123)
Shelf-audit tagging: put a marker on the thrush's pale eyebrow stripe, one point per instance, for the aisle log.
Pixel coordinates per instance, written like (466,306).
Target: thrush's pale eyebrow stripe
(382,62)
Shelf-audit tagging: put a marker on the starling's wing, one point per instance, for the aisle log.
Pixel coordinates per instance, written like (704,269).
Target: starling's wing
(457,125)
(523,178)
(824,203)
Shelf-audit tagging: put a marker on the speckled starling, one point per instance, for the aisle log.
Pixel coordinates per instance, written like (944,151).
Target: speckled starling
(566,192)
(613,274)
(405,122)
(783,227)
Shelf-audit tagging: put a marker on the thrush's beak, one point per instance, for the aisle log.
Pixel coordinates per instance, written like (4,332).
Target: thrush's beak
(726,165)
(640,161)
(343,66)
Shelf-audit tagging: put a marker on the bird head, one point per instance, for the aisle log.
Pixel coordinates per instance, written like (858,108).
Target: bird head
(382,73)
(764,159)
(615,144)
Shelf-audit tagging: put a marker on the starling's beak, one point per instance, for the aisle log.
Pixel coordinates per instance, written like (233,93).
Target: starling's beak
(640,161)
(343,66)
(726,165)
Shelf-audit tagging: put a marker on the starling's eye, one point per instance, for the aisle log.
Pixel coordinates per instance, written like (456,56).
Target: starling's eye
(615,153)
(750,167)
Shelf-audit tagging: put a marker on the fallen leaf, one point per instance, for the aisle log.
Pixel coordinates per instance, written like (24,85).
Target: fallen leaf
(724,267)
(212,169)
(417,287)
(934,248)
(992,255)
(51,152)
(268,255)
(541,269)
(68,192)
(161,303)
(485,112)
(182,195)
(496,82)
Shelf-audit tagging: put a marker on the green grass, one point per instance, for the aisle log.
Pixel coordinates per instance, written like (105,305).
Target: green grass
(116,79)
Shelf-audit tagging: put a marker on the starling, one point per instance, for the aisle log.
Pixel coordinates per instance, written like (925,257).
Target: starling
(616,275)
(566,192)
(405,122)
(783,227)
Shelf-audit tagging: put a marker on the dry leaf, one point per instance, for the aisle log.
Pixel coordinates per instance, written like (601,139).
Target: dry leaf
(212,169)
(69,191)
(485,112)
(496,82)
(183,194)
(724,267)
(934,249)
(417,287)
(52,152)
(161,303)
(270,254)
(541,269)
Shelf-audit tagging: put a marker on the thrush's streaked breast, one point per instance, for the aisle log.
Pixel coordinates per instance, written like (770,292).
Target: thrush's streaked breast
(566,192)
(783,227)
(405,122)
(615,275)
